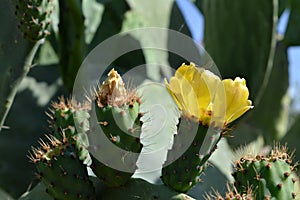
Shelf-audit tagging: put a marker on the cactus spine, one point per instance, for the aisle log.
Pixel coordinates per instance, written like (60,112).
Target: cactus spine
(269,176)
(117,111)
(64,115)
(34,18)
(231,194)
(63,173)
(61,162)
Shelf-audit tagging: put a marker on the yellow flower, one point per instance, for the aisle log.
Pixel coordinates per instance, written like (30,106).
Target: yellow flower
(202,96)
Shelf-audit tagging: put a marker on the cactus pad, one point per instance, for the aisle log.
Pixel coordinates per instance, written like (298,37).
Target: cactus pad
(117,111)
(183,173)
(63,173)
(72,118)
(269,176)
(231,194)
(141,189)
(34,18)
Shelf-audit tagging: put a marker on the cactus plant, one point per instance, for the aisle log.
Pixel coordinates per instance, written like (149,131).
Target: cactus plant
(34,18)
(199,94)
(231,194)
(241,37)
(71,40)
(64,115)
(184,173)
(63,173)
(145,191)
(118,115)
(269,176)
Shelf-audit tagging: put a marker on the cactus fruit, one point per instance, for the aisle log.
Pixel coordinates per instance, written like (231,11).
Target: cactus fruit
(63,173)
(270,176)
(64,116)
(117,111)
(182,174)
(34,18)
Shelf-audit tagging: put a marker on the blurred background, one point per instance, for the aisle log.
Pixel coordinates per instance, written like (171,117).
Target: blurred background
(257,40)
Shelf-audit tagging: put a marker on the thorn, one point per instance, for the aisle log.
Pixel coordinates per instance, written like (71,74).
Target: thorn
(49,115)
(32,158)
(5,127)
(114,138)
(44,145)
(104,123)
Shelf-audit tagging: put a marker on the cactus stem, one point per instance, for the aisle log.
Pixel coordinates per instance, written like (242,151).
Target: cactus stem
(15,85)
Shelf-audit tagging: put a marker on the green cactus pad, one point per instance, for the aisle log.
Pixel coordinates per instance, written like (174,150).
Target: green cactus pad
(183,173)
(141,189)
(72,118)
(118,116)
(270,177)
(34,18)
(122,127)
(231,194)
(63,173)
(110,177)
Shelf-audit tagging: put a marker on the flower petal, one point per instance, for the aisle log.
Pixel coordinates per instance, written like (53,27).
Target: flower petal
(239,112)
(175,91)
(236,98)
(202,95)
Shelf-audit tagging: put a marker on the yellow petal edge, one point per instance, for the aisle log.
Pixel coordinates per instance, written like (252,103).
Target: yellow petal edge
(205,98)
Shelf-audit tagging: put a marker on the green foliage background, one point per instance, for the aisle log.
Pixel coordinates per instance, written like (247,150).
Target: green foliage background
(240,36)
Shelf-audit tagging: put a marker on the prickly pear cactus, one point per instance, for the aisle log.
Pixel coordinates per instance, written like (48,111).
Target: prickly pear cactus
(182,174)
(117,111)
(231,194)
(200,95)
(141,189)
(270,177)
(121,125)
(72,118)
(63,173)
(34,18)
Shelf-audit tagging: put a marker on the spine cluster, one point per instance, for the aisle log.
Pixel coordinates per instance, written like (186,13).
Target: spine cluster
(34,18)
